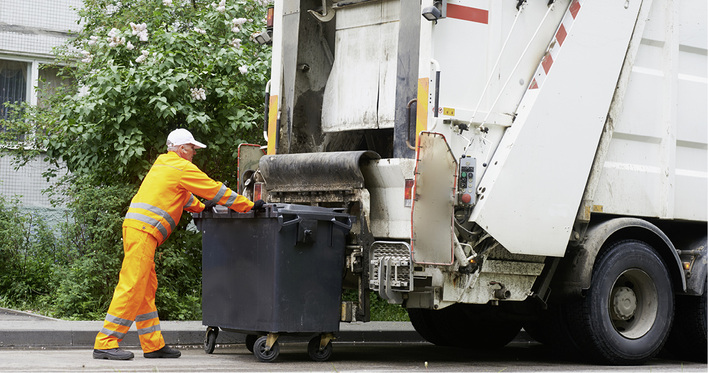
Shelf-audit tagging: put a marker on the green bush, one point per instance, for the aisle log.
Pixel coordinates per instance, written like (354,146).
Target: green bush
(381,310)
(28,256)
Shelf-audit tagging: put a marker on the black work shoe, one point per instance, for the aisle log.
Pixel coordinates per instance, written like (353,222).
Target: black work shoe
(163,352)
(112,354)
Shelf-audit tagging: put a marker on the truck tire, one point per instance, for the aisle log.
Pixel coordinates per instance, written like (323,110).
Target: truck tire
(688,335)
(485,328)
(626,315)
(551,329)
(473,326)
(422,320)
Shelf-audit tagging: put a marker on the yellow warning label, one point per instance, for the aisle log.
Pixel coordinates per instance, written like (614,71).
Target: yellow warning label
(597,208)
(449,111)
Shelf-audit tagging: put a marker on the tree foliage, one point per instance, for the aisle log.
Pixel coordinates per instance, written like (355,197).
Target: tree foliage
(146,67)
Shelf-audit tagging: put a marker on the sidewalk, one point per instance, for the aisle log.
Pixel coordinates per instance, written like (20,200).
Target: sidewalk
(21,330)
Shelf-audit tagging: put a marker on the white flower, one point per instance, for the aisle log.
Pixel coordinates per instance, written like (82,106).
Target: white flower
(137,27)
(115,42)
(114,38)
(93,40)
(130,46)
(235,29)
(238,21)
(140,30)
(243,69)
(141,58)
(88,57)
(84,90)
(199,30)
(167,2)
(236,43)
(198,94)
(221,8)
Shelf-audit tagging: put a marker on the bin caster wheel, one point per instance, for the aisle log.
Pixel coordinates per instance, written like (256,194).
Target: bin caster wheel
(259,349)
(313,349)
(250,341)
(210,339)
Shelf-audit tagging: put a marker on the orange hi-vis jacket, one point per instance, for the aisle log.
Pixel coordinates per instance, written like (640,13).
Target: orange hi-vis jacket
(168,189)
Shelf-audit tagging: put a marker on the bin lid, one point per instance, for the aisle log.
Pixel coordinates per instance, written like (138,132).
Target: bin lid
(275,210)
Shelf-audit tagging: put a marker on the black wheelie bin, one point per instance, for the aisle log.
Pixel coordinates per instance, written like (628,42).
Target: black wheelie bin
(273,272)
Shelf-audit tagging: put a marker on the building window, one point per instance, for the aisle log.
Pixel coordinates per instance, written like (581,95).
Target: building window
(13,84)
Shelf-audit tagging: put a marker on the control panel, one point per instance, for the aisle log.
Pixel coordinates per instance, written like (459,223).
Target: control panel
(466,181)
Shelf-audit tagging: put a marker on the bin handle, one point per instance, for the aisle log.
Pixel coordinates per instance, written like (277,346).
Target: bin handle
(289,222)
(346,226)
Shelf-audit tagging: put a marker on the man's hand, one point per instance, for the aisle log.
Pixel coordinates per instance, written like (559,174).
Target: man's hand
(258,205)
(208,205)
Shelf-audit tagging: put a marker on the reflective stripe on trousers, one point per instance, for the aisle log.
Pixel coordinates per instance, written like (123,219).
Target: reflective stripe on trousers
(134,296)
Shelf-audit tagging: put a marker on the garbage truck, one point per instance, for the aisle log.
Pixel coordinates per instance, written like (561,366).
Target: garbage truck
(507,164)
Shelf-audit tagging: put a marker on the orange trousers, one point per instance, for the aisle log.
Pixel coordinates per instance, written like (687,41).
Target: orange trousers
(134,296)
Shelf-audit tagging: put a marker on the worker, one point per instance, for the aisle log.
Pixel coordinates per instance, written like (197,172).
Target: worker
(168,188)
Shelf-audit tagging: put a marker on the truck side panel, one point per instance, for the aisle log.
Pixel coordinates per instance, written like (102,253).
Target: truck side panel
(656,162)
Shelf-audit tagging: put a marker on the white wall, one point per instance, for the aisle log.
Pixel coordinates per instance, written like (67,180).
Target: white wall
(34,27)
(29,29)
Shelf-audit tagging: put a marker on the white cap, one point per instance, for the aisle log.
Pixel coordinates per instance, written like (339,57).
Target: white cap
(181,136)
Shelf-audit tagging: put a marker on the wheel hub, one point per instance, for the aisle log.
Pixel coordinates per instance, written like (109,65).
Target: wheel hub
(624,303)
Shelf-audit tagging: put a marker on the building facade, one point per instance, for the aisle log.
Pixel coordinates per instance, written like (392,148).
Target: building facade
(29,30)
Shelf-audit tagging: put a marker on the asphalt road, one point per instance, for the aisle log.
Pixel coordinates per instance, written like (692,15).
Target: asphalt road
(347,357)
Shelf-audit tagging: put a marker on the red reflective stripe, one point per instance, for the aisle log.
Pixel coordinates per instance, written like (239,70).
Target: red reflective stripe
(466,13)
(534,85)
(574,8)
(561,34)
(547,62)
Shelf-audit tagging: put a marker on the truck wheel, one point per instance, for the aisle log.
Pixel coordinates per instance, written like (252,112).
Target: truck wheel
(259,350)
(626,315)
(422,320)
(210,339)
(688,335)
(551,330)
(464,325)
(490,330)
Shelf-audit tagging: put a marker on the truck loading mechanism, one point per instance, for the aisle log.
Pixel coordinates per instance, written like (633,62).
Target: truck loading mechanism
(559,177)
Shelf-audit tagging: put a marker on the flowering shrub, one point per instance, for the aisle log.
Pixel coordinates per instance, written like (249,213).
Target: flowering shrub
(145,67)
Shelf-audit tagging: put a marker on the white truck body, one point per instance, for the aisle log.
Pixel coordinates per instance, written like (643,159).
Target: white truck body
(520,143)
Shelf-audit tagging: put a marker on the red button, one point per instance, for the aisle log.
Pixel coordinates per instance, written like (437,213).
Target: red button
(466,198)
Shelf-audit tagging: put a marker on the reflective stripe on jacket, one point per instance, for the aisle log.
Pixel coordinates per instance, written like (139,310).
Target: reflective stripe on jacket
(168,189)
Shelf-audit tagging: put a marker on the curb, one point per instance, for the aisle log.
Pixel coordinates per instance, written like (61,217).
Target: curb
(50,333)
